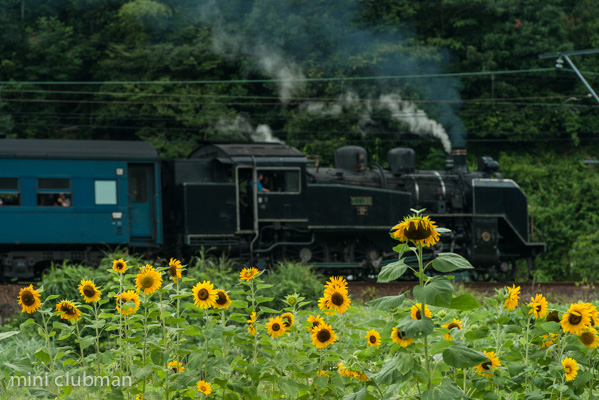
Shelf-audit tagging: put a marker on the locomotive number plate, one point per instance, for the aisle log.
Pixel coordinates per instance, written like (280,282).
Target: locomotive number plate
(361,201)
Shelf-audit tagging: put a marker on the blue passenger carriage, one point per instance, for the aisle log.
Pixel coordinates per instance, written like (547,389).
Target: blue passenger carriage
(65,199)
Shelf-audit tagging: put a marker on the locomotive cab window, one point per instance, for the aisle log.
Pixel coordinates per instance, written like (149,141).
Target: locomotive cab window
(54,192)
(10,194)
(280,181)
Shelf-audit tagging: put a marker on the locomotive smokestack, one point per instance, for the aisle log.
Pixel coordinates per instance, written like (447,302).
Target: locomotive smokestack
(458,156)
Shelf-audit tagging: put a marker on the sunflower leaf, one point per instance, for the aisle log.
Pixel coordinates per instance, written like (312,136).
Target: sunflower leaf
(460,356)
(5,335)
(437,293)
(416,328)
(387,303)
(359,395)
(446,390)
(464,302)
(391,272)
(447,262)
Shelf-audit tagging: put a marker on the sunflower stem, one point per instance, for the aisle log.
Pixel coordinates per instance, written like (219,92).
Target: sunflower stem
(79,340)
(423,312)
(143,352)
(206,341)
(48,341)
(592,374)
(97,335)
(165,339)
(526,346)
(121,333)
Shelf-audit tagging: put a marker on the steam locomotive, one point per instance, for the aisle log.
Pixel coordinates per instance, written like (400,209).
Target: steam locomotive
(260,201)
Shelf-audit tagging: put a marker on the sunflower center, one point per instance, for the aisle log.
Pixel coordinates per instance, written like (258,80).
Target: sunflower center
(275,327)
(372,339)
(203,294)
(418,315)
(221,299)
(119,266)
(486,365)
(323,336)
(567,369)
(68,309)
(538,308)
(453,325)
(337,299)
(287,321)
(553,316)
(28,299)
(147,281)
(575,318)
(587,338)
(401,335)
(416,231)
(88,291)
(173,270)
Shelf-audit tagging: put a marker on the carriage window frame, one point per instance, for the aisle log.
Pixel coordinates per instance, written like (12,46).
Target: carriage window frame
(48,189)
(10,189)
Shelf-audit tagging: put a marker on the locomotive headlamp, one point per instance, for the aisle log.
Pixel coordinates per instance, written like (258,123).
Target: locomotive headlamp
(117,215)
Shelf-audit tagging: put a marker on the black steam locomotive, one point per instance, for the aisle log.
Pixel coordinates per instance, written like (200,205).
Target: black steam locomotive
(339,218)
(64,199)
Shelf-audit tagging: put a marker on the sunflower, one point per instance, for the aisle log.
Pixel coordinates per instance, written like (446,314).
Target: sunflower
(89,291)
(593,313)
(176,366)
(204,387)
(538,306)
(288,320)
(548,340)
(570,368)
(512,300)
(322,373)
(374,338)
(576,319)
(139,397)
(400,338)
(323,335)
(486,369)
(343,371)
(275,327)
(325,307)
(456,324)
(589,338)
(315,321)
(419,229)
(69,310)
(252,324)
(247,274)
(337,299)
(29,299)
(416,314)
(174,269)
(123,298)
(204,294)
(222,300)
(119,266)
(336,282)
(553,316)
(148,280)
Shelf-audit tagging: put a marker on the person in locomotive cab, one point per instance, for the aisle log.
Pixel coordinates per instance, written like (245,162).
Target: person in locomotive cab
(259,184)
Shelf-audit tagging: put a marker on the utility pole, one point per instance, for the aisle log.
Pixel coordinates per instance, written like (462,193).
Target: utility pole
(565,56)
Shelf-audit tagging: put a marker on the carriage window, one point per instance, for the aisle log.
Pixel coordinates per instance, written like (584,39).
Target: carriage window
(10,194)
(54,192)
(105,192)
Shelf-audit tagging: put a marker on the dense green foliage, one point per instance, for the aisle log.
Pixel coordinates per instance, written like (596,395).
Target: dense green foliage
(317,74)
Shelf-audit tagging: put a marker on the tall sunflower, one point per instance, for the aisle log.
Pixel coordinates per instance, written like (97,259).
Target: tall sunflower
(592,312)
(288,319)
(570,368)
(336,282)
(373,338)
(548,340)
(418,229)
(315,321)
(252,324)
(486,369)
(119,266)
(123,298)
(416,314)
(456,324)
(29,299)
(576,319)
(275,327)
(176,366)
(69,310)
(88,290)
(148,280)
(222,300)
(400,338)
(589,337)
(247,274)
(337,299)
(323,336)
(175,269)
(538,306)
(325,307)
(204,387)
(512,300)
(204,295)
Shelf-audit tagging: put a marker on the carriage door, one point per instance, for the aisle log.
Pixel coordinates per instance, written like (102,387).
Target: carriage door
(142,219)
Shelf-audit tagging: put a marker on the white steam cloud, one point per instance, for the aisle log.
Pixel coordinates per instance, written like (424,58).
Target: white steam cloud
(233,127)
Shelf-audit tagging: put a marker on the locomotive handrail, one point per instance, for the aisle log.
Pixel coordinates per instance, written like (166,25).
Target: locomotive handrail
(275,245)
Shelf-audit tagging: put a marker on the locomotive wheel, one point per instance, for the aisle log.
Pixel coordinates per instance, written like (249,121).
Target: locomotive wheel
(369,256)
(316,253)
(505,271)
(481,275)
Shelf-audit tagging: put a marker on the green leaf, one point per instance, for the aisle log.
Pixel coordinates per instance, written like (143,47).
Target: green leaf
(5,335)
(387,303)
(400,249)
(356,396)
(446,390)
(447,262)
(42,355)
(405,363)
(536,395)
(460,356)
(321,381)
(416,328)
(438,292)
(551,327)
(391,272)
(464,302)
(289,386)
